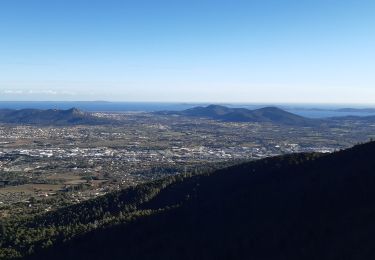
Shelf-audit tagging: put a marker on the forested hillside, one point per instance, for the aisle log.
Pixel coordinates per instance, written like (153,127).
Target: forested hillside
(266,114)
(57,117)
(299,206)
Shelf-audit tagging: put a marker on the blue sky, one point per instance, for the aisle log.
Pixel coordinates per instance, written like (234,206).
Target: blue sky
(303,51)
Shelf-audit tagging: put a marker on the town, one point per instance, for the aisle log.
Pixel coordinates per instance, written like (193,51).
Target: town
(43,168)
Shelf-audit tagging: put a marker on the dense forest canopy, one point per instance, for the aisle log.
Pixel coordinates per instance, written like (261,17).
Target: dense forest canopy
(298,206)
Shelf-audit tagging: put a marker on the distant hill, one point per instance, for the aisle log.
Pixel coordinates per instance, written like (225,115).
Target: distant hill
(266,114)
(355,110)
(71,116)
(368,119)
(299,206)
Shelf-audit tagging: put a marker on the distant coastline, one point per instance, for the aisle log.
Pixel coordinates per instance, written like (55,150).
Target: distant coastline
(307,110)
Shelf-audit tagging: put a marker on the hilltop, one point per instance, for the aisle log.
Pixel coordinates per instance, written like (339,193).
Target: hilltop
(267,114)
(71,116)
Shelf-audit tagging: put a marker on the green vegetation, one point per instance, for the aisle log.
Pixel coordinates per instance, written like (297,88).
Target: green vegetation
(299,206)
(24,234)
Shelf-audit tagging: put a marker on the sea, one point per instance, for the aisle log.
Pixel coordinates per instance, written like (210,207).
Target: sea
(306,110)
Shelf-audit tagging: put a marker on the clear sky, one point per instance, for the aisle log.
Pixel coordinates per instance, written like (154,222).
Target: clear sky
(313,51)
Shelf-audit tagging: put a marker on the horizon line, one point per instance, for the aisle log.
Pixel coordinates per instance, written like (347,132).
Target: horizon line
(189,102)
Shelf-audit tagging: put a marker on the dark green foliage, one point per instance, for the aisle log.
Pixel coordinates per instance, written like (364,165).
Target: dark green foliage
(301,206)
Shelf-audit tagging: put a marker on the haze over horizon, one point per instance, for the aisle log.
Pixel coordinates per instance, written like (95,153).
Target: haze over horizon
(188,51)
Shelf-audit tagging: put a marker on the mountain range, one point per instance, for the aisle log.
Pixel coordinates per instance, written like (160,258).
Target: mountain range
(297,206)
(71,116)
(262,115)
(265,115)
(75,116)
